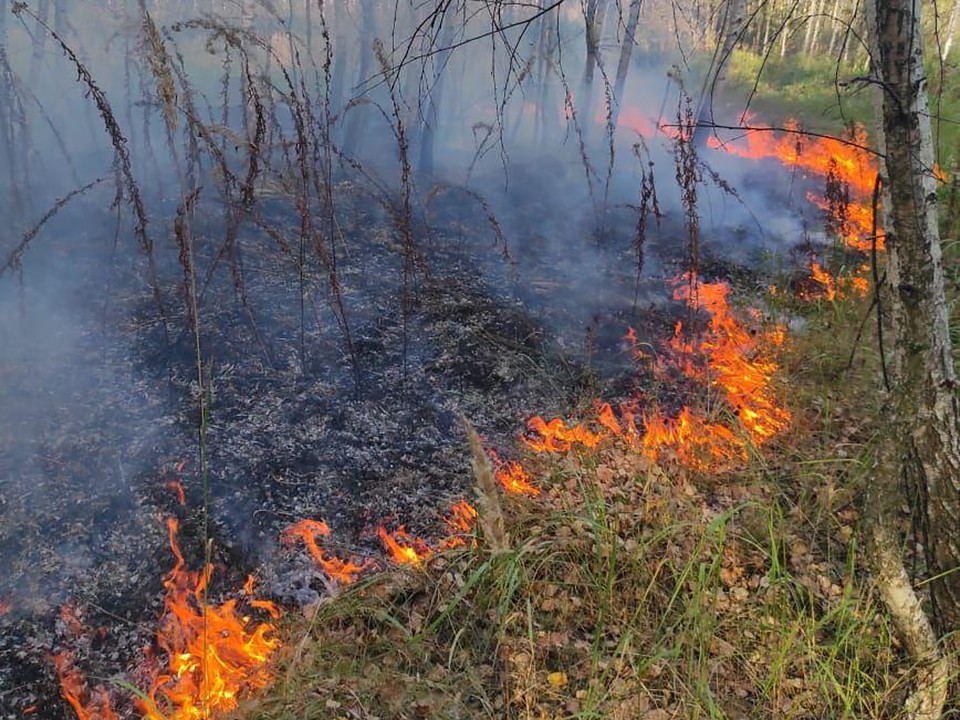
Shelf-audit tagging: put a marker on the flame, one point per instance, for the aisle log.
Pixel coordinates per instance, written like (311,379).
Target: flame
(556,437)
(86,703)
(515,480)
(177,488)
(403,548)
(214,653)
(849,158)
(341,571)
(6,606)
(268,607)
(461,520)
(727,356)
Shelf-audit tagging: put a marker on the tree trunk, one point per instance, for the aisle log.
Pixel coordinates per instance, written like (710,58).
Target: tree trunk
(593,22)
(734,18)
(925,411)
(951,30)
(626,50)
(835,27)
(357,122)
(546,111)
(431,117)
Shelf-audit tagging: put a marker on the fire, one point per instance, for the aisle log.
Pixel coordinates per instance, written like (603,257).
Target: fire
(556,437)
(338,570)
(6,606)
(733,361)
(850,159)
(515,480)
(461,521)
(268,607)
(697,443)
(403,548)
(86,703)
(177,488)
(726,356)
(214,652)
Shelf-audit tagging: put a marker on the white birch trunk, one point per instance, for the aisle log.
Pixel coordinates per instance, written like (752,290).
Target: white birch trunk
(924,418)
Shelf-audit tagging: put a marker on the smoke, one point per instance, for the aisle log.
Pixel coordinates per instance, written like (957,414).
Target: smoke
(361,244)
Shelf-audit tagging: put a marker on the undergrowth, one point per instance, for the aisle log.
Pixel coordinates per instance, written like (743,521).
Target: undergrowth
(632,590)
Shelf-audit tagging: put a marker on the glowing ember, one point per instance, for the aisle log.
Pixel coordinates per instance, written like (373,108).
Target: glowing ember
(72,624)
(214,653)
(403,548)
(87,704)
(556,437)
(341,571)
(461,521)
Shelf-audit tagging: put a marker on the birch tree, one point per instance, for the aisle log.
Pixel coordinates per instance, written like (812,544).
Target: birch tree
(922,426)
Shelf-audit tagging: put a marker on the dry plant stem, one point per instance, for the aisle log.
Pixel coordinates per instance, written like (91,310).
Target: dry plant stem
(491,513)
(127,183)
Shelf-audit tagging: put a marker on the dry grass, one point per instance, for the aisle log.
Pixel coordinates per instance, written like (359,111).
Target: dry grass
(636,591)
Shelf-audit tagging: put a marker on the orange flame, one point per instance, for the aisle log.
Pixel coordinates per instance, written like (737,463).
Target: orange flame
(556,437)
(6,606)
(734,362)
(341,571)
(726,356)
(850,158)
(515,480)
(214,653)
(87,704)
(461,521)
(403,548)
(177,488)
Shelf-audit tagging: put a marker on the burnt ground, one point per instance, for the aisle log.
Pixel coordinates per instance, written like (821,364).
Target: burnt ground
(99,407)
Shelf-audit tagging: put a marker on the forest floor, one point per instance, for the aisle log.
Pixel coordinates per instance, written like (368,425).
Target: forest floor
(632,589)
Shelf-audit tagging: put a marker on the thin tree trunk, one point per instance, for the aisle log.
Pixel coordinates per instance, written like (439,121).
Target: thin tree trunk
(358,120)
(951,30)
(626,50)
(817,24)
(835,28)
(428,130)
(767,23)
(546,112)
(593,22)
(924,407)
(735,15)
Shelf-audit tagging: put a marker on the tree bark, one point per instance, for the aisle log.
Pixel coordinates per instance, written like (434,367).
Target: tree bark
(951,30)
(735,16)
(431,116)
(593,25)
(924,401)
(626,50)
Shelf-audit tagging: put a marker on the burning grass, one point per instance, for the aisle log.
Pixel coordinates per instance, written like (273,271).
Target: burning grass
(637,586)
(629,592)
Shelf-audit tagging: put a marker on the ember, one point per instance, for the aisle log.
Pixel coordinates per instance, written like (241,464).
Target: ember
(556,437)
(515,480)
